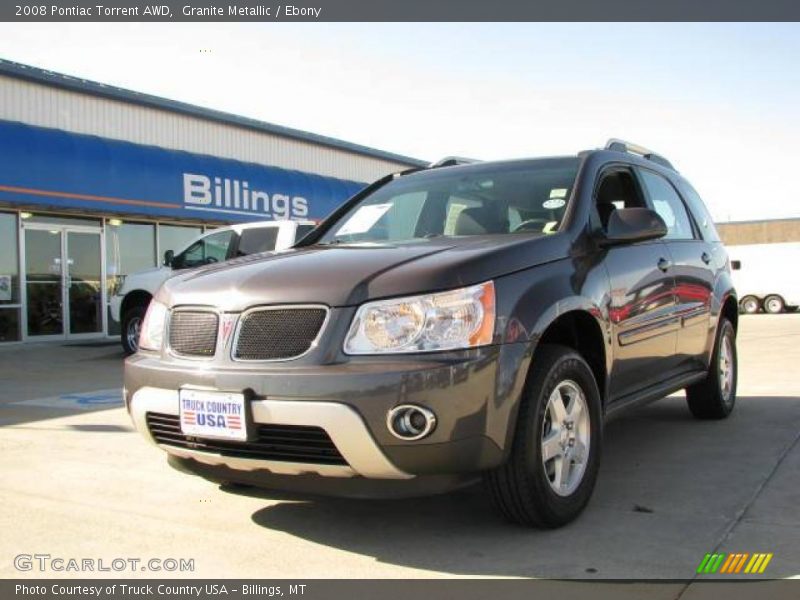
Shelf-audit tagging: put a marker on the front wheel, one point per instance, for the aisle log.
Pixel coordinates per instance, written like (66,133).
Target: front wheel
(550,474)
(131,327)
(715,396)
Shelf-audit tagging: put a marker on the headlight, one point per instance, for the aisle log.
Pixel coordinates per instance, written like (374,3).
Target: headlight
(152,335)
(461,318)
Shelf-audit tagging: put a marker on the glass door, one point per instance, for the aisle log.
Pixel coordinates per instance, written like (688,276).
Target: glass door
(63,282)
(84,283)
(44,285)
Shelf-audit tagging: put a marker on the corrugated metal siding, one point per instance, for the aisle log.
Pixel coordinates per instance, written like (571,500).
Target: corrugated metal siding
(47,106)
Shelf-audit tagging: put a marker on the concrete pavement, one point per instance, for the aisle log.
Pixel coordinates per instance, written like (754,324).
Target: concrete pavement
(78,482)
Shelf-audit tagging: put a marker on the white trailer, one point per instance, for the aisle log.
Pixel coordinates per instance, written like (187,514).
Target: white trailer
(766,276)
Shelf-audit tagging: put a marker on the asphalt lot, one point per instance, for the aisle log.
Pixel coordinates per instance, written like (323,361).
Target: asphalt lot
(77,481)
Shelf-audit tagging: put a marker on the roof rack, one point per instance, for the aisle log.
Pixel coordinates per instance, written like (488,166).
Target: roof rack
(623,146)
(452,161)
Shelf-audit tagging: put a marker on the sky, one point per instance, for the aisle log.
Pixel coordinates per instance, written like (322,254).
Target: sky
(721,101)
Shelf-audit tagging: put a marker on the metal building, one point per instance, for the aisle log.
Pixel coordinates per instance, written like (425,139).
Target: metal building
(773,231)
(97,182)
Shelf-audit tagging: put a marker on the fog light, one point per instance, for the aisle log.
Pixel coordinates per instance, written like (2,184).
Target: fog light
(410,422)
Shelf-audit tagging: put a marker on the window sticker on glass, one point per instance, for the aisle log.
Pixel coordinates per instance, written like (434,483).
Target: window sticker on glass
(558,193)
(553,203)
(363,219)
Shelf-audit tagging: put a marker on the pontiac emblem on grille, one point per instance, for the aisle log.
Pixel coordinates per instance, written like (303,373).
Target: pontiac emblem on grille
(227,328)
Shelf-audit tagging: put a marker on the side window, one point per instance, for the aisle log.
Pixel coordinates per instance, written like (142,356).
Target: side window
(210,249)
(617,190)
(701,215)
(259,239)
(669,206)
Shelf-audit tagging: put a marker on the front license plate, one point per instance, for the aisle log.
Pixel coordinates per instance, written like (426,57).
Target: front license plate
(213,414)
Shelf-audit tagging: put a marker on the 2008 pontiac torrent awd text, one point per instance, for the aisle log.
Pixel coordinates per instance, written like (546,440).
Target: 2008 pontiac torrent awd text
(466,319)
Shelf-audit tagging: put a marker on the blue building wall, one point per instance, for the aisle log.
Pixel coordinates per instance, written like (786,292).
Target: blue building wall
(56,169)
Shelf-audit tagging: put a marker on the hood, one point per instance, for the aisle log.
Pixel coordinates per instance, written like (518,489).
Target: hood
(346,275)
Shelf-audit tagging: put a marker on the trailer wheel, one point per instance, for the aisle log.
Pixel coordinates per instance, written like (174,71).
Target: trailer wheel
(749,305)
(774,304)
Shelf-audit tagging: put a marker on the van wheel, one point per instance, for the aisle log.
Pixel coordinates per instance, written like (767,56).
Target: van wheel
(552,469)
(714,397)
(774,304)
(131,327)
(749,305)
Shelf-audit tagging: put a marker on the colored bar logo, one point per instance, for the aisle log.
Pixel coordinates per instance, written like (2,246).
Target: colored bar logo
(736,562)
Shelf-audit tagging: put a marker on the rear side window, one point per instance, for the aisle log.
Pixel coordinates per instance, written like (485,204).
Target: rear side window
(669,206)
(701,215)
(259,239)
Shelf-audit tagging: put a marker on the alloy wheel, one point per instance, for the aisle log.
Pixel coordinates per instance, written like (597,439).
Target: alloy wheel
(565,438)
(132,333)
(726,367)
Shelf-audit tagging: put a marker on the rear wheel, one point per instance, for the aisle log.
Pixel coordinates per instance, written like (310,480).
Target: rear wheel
(774,304)
(550,474)
(714,397)
(749,305)
(131,328)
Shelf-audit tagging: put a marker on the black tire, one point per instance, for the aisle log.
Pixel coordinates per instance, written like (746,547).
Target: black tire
(521,488)
(749,305)
(710,399)
(774,304)
(132,316)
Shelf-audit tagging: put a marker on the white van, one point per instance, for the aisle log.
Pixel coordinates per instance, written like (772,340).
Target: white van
(135,291)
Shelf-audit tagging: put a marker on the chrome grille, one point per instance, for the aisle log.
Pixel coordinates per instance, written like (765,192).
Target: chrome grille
(193,332)
(292,443)
(278,333)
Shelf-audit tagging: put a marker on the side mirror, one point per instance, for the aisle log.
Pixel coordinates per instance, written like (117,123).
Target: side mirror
(630,225)
(736,265)
(168,256)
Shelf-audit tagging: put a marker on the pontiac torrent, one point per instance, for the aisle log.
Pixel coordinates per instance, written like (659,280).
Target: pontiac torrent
(466,320)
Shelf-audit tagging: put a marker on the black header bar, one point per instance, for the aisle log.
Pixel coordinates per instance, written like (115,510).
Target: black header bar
(399,10)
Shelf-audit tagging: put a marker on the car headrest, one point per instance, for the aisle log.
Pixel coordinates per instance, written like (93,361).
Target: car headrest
(479,220)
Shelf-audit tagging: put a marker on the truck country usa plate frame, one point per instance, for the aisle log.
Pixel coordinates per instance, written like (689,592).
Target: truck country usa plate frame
(211,414)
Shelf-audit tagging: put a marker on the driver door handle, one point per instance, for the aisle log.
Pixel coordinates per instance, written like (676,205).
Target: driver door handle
(664,264)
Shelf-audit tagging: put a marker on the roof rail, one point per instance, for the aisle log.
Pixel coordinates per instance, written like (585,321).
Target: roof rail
(452,161)
(623,146)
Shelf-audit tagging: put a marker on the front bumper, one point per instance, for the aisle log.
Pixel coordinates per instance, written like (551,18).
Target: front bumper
(345,428)
(473,393)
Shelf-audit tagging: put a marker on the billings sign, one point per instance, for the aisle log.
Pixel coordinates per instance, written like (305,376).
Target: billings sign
(220,194)
(57,169)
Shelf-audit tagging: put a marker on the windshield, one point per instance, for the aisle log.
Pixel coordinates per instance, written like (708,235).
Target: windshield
(509,198)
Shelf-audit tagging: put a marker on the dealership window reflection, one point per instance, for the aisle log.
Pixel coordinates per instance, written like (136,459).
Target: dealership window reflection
(130,247)
(9,279)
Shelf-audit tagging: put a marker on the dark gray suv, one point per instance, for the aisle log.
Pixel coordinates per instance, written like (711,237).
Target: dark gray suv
(463,320)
